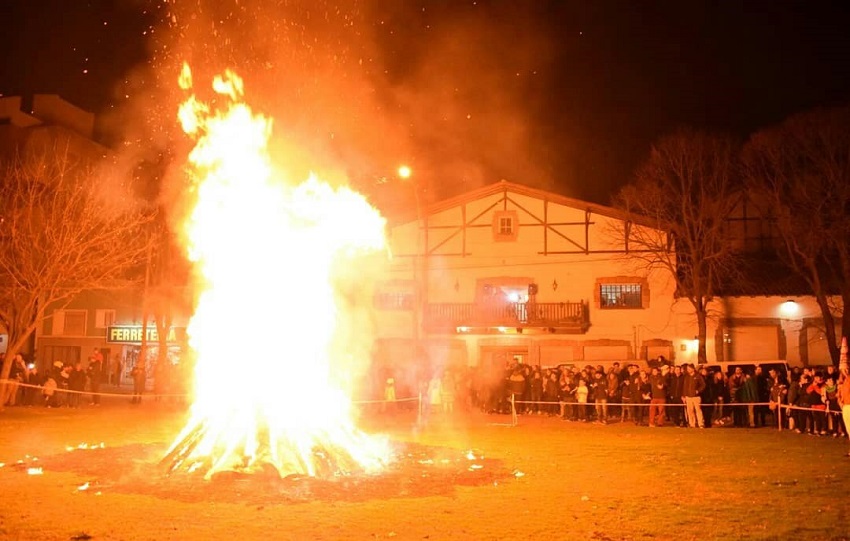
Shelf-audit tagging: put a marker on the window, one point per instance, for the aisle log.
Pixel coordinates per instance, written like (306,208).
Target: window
(104,318)
(395,300)
(505,225)
(620,296)
(69,322)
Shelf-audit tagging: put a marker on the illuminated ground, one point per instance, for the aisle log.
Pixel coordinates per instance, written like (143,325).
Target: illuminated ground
(544,479)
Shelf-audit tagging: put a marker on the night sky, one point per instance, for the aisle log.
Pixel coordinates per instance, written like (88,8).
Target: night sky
(560,95)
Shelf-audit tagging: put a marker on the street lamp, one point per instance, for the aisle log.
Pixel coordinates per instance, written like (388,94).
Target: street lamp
(789,308)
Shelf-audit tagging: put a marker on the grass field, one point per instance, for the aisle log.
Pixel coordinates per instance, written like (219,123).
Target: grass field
(555,480)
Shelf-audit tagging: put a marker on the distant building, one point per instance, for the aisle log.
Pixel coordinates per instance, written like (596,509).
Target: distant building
(508,272)
(109,321)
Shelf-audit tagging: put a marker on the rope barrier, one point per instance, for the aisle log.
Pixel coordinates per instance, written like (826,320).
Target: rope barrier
(512,400)
(158,395)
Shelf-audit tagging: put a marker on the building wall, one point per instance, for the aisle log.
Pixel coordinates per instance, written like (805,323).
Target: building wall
(568,251)
(57,341)
(769,328)
(568,248)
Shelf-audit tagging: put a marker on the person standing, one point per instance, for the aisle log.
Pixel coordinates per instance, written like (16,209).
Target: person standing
(817,405)
(735,383)
(581,397)
(139,375)
(763,394)
(659,395)
(389,395)
(599,388)
(749,396)
(95,372)
(17,374)
(844,398)
(692,387)
(76,385)
(674,396)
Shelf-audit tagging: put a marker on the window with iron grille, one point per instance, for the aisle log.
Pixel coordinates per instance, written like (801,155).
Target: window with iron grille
(394,300)
(620,296)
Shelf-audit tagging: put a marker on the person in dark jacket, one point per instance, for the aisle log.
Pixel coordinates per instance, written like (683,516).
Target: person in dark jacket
(763,393)
(626,397)
(599,390)
(641,395)
(551,388)
(749,396)
(803,421)
(567,397)
(817,404)
(658,382)
(613,380)
(706,398)
(76,384)
(675,405)
(536,384)
(95,372)
(692,387)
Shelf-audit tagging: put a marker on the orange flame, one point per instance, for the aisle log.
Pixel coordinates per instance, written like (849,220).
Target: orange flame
(265,252)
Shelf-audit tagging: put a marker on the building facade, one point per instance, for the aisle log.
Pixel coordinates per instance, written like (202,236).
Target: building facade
(508,272)
(107,321)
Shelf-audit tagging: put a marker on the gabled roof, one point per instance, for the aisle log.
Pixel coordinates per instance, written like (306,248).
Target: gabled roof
(506,186)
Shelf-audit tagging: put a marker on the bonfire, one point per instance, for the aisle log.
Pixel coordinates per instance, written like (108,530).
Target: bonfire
(268,253)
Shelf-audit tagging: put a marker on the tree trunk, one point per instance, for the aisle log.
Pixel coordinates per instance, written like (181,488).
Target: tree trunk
(143,349)
(13,349)
(702,355)
(829,327)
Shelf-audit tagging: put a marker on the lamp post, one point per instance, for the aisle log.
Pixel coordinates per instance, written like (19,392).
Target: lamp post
(405,174)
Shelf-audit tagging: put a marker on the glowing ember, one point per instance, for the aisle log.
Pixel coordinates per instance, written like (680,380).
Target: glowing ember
(35,471)
(269,257)
(84,445)
(84,486)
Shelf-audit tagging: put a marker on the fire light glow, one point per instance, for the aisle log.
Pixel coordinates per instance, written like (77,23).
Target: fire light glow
(268,255)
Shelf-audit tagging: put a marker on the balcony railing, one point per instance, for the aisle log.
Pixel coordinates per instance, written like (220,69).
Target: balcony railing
(564,316)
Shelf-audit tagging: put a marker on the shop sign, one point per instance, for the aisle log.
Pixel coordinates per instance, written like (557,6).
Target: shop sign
(132,334)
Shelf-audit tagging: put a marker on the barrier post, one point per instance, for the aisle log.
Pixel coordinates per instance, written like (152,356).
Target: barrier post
(514,420)
(779,416)
(419,411)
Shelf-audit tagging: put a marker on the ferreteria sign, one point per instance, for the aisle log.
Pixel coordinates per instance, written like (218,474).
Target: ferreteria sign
(132,334)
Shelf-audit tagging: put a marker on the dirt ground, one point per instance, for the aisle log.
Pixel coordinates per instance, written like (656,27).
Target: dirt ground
(94,473)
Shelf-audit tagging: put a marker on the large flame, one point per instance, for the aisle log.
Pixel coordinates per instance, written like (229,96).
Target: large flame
(265,252)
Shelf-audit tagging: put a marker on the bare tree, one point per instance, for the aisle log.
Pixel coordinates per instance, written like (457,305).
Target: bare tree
(167,295)
(66,226)
(685,191)
(801,168)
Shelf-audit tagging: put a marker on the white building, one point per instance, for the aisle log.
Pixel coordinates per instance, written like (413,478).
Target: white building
(508,271)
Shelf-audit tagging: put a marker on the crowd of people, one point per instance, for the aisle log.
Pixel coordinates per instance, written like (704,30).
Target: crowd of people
(63,384)
(804,400)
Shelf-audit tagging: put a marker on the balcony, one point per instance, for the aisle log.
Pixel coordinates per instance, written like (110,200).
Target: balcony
(561,317)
